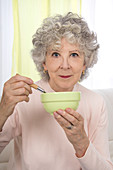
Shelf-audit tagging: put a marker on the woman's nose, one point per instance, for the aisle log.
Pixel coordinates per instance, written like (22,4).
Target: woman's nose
(65,63)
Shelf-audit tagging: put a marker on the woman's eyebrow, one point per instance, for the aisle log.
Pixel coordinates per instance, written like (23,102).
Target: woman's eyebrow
(61,50)
(55,50)
(74,51)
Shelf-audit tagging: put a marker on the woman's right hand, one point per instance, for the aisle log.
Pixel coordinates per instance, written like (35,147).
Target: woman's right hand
(16,89)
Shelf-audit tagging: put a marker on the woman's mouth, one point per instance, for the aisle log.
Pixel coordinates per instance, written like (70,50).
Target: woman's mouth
(65,77)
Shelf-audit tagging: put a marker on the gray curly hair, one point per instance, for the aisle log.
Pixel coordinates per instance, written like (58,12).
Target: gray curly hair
(72,27)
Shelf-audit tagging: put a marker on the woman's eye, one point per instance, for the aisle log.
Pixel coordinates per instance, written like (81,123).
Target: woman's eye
(74,55)
(55,54)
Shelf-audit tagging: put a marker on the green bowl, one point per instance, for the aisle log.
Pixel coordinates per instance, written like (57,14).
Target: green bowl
(60,100)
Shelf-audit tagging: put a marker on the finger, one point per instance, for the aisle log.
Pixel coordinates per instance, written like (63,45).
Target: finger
(13,100)
(28,87)
(70,118)
(74,113)
(18,77)
(20,92)
(21,84)
(61,120)
(21,99)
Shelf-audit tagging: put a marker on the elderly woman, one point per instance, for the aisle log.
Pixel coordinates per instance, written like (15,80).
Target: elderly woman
(64,50)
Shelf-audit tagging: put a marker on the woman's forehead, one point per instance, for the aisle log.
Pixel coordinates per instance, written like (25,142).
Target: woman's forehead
(59,46)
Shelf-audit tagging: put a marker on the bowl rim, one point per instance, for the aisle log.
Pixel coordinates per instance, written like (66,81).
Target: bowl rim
(71,96)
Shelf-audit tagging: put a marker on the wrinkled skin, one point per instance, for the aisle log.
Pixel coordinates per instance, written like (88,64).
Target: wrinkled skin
(16,89)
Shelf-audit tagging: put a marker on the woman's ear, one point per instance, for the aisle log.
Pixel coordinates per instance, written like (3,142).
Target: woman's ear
(44,65)
(84,67)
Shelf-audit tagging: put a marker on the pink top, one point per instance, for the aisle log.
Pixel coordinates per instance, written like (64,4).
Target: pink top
(41,144)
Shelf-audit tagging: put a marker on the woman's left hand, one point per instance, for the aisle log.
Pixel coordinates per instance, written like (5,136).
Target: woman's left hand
(73,124)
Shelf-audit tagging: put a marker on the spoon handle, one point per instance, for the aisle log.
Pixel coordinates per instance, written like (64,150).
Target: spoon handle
(37,88)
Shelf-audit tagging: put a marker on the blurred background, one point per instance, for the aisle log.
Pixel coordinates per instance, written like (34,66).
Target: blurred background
(20,19)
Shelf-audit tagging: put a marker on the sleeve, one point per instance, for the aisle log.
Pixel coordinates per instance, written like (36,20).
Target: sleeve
(97,156)
(10,130)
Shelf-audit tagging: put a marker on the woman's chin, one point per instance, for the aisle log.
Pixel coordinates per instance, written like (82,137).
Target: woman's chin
(60,86)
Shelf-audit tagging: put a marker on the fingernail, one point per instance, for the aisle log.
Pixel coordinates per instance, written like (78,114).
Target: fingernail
(31,92)
(56,115)
(60,111)
(30,81)
(68,109)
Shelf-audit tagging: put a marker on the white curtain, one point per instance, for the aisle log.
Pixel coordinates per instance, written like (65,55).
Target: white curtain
(6,41)
(98,14)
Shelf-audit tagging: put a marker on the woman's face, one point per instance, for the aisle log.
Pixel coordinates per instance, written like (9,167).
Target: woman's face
(64,66)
